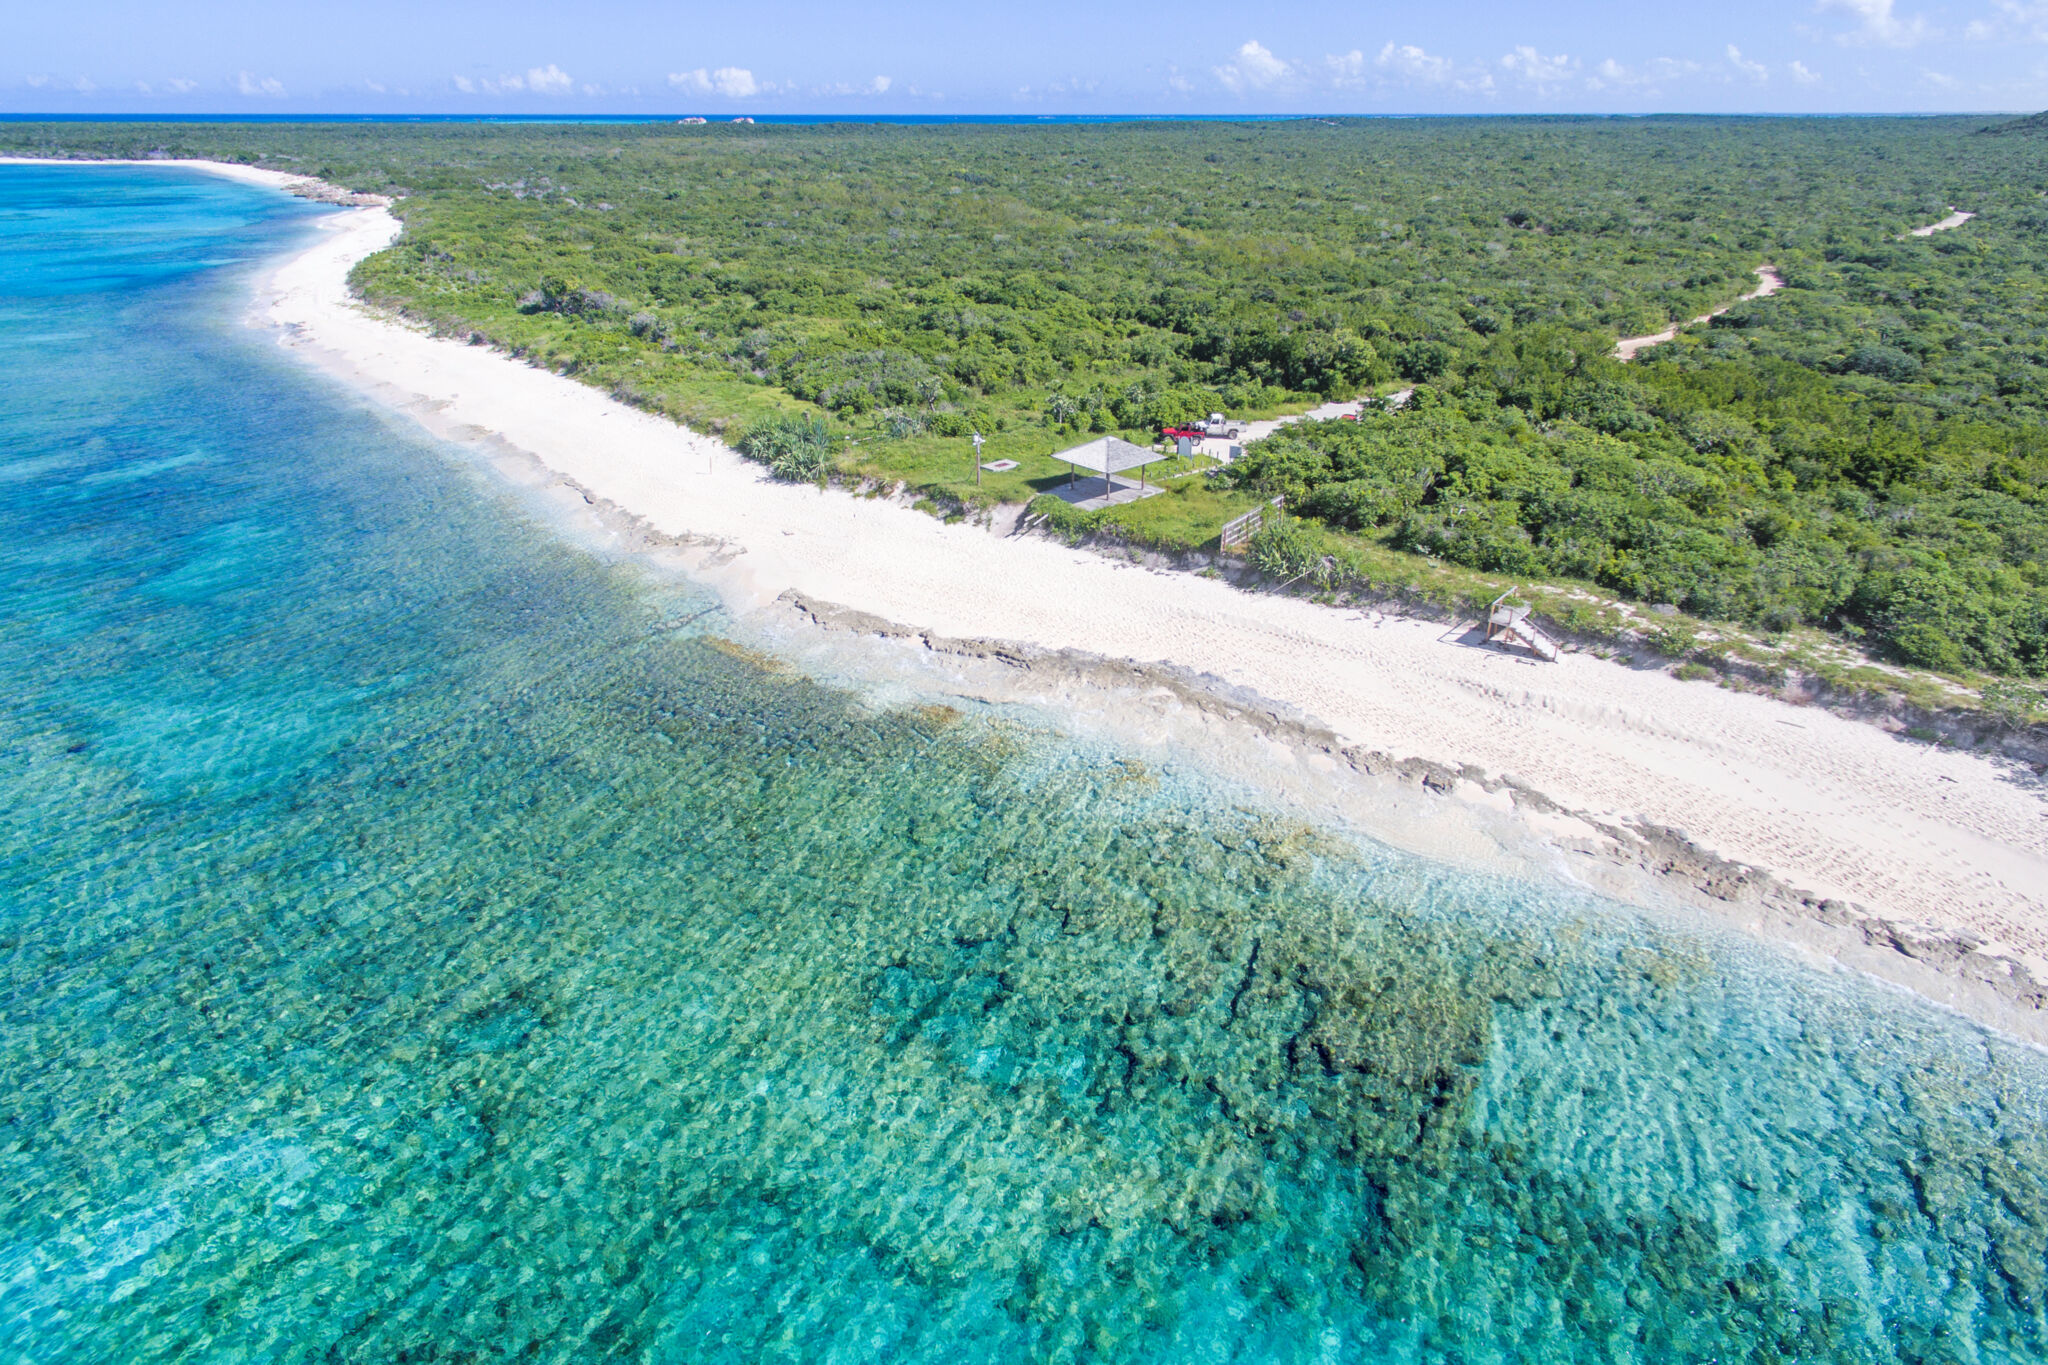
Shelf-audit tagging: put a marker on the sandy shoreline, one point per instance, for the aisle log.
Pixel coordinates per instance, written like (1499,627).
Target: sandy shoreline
(1602,760)
(1830,806)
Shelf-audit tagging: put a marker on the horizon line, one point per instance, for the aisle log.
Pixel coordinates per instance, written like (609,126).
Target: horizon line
(728,116)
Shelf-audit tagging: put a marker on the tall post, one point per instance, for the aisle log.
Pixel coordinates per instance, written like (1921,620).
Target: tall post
(977,459)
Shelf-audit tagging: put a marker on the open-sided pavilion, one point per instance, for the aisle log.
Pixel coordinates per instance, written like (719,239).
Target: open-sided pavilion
(1107,456)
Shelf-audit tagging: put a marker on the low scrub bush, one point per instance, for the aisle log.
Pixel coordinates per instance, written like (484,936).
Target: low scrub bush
(1292,551)
(796,448)
(2014,704)
(1065,520)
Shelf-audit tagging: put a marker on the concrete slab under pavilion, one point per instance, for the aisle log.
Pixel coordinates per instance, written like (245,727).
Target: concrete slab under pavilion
(1108,459)
(1095,492)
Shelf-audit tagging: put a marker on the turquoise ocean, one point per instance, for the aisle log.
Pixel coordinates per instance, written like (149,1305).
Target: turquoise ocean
(426,940)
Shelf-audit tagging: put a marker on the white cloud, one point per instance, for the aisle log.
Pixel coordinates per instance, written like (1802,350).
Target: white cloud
(1255,69)
(2025,19)
(374,88)
(1804,74)
(1532,68)
(878,86)
(1649,78)
(270,87)
(545,80)
(538,80)
(1413,64)
(733,82)
(1755,71)
(1403,65)
(1876,23)
(37,82)
(1070,86)
(1940,80)
(1345,68)
(1176,82)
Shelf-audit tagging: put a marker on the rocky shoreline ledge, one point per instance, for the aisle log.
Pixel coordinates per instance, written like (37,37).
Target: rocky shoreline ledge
(1949,966)
(1662,852)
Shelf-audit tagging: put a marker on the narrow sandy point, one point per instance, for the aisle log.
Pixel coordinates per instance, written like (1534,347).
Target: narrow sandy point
(303,186)
(248,175)
(1771,283)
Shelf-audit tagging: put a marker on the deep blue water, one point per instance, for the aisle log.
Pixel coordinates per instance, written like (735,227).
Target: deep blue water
(420,946)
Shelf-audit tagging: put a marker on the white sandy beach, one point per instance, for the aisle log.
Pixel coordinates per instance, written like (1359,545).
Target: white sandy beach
(1831,806)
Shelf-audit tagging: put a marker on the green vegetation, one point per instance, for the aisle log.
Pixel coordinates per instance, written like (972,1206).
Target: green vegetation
(1286,550)
(1863,452)
(793,447)
(2032,124)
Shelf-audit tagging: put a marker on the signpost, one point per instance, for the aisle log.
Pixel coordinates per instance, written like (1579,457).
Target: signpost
(977,459)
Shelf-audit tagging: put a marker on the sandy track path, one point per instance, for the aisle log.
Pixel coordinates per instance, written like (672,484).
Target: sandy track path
(1769,283)
(1955,219)
(1627,348)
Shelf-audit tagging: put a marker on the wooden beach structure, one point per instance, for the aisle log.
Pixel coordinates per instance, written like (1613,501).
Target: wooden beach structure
(1508,621)
(1238,530)
(1108,456)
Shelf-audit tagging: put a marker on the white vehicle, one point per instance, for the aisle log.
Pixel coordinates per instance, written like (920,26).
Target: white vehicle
(1219,425)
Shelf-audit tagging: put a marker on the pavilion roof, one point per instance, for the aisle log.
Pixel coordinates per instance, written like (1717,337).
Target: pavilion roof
(1108,455)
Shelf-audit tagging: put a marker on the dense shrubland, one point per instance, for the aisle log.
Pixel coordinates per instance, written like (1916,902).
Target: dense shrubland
(1863,451)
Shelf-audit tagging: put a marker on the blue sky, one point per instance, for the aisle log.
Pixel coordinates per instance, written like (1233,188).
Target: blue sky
(631,56)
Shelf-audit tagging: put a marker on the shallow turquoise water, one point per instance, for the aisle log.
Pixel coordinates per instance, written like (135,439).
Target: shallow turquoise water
(420,947)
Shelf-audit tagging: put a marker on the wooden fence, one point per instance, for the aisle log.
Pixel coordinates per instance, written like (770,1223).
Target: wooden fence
(1238,530)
